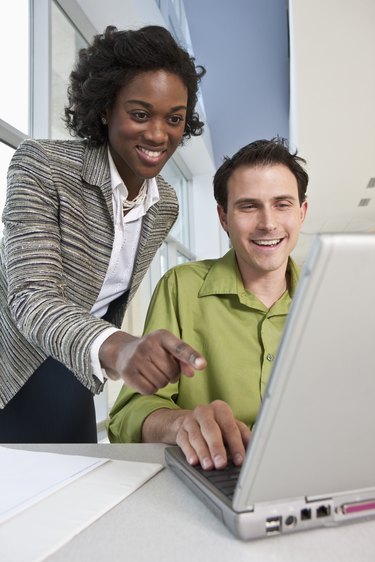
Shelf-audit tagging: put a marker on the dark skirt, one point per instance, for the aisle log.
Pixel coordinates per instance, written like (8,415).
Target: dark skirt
(51,407)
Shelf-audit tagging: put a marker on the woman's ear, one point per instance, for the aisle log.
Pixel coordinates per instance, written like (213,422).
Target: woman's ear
(104,117)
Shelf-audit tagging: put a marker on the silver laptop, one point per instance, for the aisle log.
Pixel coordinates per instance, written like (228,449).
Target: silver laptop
(311,459)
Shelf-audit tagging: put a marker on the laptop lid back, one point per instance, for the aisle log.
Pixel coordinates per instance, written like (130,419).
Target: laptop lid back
(315,435)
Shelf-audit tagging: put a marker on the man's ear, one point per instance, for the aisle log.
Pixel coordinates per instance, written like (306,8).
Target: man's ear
(303,211)
(222,217)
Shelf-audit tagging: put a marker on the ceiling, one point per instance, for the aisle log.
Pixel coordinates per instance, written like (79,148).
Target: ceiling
(243,45)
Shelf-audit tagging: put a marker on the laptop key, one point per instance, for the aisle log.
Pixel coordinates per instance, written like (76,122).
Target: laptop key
(224,479)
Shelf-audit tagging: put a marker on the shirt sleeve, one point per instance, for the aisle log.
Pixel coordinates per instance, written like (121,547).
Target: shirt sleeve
(97,369)
(131,408)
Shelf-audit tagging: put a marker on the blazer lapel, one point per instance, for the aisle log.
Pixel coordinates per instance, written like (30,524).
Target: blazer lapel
(95,171)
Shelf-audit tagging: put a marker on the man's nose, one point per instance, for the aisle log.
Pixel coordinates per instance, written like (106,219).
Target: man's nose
(267,220)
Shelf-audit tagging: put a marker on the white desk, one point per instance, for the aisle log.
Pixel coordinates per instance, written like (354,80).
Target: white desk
(164,522)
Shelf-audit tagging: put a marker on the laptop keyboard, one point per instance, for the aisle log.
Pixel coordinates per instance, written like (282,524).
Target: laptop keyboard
(224,479)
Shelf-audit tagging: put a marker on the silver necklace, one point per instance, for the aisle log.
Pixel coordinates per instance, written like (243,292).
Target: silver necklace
(138,200)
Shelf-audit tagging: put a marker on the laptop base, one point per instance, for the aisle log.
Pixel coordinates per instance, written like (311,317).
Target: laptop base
(272,518)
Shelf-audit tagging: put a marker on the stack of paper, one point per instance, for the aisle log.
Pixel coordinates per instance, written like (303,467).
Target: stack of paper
(47,498)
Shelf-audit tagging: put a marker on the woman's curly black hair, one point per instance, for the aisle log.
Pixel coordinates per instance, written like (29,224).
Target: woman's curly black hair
(112,60)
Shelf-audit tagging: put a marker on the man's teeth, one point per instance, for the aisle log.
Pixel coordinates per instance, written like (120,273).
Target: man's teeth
(267,242)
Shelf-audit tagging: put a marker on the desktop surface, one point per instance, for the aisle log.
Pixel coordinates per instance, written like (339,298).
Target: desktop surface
(163,521)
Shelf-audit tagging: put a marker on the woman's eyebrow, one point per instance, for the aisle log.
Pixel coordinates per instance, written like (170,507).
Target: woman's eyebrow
(150,106)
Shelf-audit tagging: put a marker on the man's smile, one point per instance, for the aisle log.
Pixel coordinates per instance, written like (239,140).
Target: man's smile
(273,242)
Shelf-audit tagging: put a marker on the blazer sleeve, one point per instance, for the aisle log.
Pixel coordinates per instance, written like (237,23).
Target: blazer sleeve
(34,270)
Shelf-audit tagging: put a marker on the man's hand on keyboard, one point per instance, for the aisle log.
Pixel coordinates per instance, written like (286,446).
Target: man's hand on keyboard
(206,433)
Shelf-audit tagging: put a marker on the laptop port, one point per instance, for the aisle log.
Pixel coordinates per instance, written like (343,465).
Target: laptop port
(357,507)
(290,521)
(323,511)
(273,525)
(305,514)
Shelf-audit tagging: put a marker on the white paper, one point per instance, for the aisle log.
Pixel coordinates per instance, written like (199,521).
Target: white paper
(45,526)
(26,477)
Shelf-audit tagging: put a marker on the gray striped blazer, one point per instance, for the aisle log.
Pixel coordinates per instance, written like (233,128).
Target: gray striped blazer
(55,253)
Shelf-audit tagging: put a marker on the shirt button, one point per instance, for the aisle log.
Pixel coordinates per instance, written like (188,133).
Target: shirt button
(270,357)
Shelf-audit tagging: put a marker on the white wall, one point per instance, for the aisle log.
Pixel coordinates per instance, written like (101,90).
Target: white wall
(333,110)
(124,14)
(210,241)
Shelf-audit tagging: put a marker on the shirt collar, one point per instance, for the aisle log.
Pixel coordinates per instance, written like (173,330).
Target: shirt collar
(224,278)
(118,185)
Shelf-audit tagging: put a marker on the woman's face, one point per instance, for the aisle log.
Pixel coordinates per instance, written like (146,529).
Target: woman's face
(145,125)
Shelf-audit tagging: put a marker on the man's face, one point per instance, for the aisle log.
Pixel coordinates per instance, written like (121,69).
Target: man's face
(263,217)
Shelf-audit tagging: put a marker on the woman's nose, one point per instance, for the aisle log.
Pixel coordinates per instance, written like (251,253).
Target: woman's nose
(156,131)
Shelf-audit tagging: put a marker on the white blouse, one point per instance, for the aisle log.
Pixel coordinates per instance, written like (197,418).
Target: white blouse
(126,239)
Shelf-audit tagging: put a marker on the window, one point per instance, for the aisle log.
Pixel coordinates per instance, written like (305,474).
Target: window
(174,176)
(6,153)
(14,46)
(181,258)
(14,91)
(176,248)
(66,41)
(164,265)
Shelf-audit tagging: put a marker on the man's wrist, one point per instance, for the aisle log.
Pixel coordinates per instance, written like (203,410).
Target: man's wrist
(162,426)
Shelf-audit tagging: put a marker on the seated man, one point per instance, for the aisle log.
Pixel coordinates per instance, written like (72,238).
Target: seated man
(232,310)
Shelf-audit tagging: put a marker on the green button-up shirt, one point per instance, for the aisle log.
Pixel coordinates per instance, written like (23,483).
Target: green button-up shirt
(206,304)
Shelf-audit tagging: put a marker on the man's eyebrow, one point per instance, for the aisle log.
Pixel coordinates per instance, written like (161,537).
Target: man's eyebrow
(246,200)
(288,197)
(283,197)
(148,105)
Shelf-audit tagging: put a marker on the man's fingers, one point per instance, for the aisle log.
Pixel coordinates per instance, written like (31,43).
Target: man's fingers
(208,431)
(234,439)
(232,432)
(212,434)
(245,433)
(182,440)
(193,444)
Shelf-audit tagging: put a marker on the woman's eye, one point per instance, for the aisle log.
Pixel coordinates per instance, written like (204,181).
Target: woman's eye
(140,115)
(176,119)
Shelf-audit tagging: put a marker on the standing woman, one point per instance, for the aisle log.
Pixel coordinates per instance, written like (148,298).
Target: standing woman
(83,220)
